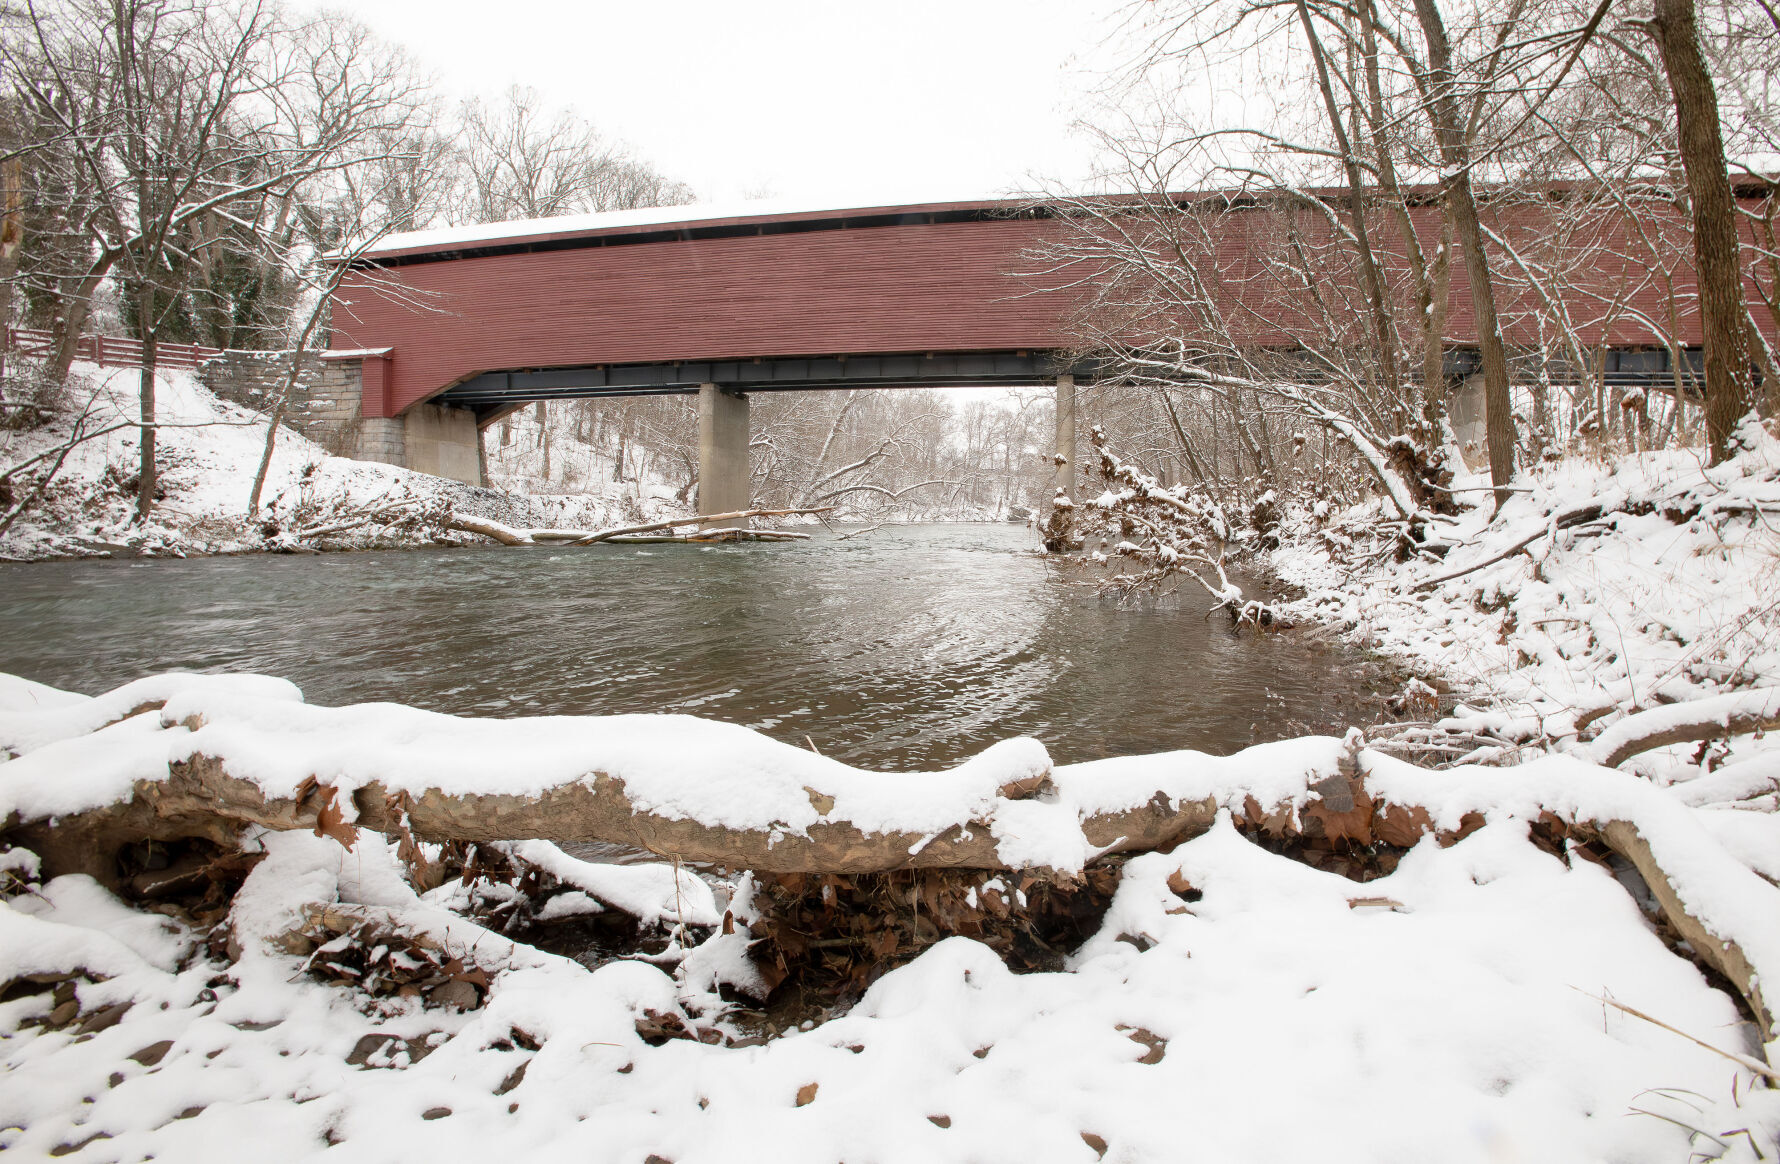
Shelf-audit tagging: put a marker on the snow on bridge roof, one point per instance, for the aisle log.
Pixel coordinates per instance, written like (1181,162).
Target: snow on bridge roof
(627,221)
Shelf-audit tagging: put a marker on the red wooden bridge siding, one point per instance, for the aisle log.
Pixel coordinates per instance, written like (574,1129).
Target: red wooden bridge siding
(949,286)
(895,289)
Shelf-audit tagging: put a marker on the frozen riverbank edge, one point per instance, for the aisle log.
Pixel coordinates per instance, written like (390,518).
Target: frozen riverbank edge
(209,451)
(1462,990)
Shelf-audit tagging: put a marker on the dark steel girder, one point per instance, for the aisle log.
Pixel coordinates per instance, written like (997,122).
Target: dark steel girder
(940,370)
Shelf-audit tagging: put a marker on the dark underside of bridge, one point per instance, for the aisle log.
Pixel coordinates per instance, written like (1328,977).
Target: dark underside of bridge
(492,393)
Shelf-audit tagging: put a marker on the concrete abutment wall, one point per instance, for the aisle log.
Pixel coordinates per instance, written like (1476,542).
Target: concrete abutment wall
(442,441)
(324,404)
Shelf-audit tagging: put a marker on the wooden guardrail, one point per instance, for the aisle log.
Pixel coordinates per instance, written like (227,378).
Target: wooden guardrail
(108,351)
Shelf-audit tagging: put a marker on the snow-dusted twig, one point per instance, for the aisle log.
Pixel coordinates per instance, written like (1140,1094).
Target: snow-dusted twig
(1565,520)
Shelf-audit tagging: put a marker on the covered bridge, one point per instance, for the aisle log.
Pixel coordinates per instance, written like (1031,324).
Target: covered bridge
(454,328)
(451,329)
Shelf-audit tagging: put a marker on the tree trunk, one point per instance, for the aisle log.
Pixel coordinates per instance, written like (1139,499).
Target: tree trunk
(544,437)
(145,481)
(1455,155)
(65,331)
(11,235)
(1382,334)
(1716,263)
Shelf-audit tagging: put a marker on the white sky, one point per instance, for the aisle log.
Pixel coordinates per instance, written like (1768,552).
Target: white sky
(793,99)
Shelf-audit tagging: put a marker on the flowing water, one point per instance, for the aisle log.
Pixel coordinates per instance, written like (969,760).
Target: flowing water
(907,647)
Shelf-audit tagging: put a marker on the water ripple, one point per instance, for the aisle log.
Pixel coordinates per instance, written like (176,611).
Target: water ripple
(913,647)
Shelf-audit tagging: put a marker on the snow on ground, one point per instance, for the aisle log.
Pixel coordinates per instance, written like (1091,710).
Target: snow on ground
(1671,594)
(552,459)
(208,454)
(1269,1020)
(1234,1005)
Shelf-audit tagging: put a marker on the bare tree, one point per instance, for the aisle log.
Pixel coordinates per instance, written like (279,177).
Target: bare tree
(1291,264)
(193,128)
(519,161)
(1717,264)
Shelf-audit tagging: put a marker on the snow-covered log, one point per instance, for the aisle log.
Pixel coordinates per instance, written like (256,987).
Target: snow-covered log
(511,536)
(211,760)
(1713,718)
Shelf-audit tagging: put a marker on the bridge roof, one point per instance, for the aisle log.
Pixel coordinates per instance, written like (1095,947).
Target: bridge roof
(682,285)
(695,220)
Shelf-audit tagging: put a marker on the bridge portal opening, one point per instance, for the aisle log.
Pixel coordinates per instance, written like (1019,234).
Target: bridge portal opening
(815,433)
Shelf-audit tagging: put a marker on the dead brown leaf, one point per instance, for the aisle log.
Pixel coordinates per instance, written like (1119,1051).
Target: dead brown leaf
(331,822)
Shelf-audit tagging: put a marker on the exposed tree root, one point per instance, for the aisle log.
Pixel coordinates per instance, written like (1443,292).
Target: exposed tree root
(832,936)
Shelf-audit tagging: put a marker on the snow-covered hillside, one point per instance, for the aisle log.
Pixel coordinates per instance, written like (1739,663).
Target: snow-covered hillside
(1598,590)
(209,451)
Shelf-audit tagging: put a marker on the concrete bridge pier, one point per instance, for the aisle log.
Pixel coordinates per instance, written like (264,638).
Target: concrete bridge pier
(1066,460)
(723,473)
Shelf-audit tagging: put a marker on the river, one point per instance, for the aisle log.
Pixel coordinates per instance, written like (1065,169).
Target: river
(906,647)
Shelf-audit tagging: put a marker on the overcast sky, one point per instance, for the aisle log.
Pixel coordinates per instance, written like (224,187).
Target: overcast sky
(793,99)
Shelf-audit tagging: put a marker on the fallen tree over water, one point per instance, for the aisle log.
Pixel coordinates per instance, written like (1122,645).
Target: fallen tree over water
(512,536)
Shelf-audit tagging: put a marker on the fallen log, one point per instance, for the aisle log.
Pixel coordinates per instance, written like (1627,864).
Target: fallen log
(504,534)
(1713,718)
(200,798)
(698,791)
(513,536)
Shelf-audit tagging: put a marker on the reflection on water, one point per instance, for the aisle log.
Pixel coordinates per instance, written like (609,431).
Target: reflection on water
(909,647)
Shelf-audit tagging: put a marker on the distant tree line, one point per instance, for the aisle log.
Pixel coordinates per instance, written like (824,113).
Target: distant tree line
(891,452)
(214,149)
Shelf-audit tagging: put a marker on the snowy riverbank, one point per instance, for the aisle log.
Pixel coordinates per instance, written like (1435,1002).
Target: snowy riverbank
(281,990)
(223,918)
(1598,590)
(209,451)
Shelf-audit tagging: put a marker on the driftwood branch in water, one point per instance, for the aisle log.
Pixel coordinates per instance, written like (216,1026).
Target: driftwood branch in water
(702,518)
(511,536)
(709,536)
